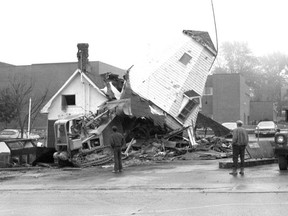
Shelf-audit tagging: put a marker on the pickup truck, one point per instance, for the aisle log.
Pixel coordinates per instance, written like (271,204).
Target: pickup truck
(281,149)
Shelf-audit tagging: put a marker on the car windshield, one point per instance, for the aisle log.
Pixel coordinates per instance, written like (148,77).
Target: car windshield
(261,124)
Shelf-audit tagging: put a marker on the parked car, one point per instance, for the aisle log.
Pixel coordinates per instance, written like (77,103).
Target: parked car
(266,128)
(231,126)
(16,134)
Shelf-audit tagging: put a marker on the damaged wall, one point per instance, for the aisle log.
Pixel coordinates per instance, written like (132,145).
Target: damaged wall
(196,80)
(185,69)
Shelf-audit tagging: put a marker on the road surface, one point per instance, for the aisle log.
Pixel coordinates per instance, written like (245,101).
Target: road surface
(194,187)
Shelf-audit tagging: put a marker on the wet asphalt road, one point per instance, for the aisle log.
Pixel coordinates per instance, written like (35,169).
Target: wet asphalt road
(143,202)
(194,187)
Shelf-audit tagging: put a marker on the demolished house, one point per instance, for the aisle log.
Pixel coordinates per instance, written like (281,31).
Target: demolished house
(176,84)
(81,114)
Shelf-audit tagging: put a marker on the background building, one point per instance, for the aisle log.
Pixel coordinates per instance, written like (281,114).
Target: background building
(226,98)
(51,76)
(262,111)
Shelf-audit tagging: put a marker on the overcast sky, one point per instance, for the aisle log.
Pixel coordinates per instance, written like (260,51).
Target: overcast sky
(123,32)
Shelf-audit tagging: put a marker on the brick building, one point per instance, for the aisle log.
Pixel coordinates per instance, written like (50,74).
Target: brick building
(226,98)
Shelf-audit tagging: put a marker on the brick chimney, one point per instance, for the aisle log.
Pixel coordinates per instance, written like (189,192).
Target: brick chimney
(82,56)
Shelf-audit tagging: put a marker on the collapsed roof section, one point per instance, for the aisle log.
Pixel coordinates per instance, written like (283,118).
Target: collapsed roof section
(174,88)
(205,122)
(138,106)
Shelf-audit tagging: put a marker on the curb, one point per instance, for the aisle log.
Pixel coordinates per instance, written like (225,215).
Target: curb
(249,162)
(22,168)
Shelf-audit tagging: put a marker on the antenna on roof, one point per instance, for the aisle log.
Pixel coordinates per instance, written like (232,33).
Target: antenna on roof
(215,25)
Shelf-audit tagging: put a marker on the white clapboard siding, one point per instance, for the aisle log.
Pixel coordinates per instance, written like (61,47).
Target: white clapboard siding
(195,81)
(168,82)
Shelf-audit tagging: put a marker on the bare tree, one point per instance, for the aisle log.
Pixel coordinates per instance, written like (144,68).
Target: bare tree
(274,75)
(22,89)
(7,108)
(237,57)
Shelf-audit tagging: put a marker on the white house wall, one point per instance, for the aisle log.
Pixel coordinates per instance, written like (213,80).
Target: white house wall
(87,99)
(163,86)
(195,81)
(166,85)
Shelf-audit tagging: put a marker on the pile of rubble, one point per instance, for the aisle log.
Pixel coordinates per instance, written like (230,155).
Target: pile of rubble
(214,148)
(155,149)
(218,144)
(161,150)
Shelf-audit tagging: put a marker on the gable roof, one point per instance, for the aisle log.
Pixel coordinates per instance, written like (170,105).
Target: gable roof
(93,76)
(77,72)
(54,75)
(203,38)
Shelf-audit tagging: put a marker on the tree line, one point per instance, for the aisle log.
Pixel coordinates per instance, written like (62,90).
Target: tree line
(265,75)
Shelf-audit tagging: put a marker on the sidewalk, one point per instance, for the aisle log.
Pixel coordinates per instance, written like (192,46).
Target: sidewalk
(228,164)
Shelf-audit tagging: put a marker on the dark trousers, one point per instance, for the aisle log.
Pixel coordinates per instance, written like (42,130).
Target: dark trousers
(117,159)
(238,150)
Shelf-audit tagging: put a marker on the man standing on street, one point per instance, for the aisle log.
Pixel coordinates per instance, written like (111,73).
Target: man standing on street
(239,142)
(117,142)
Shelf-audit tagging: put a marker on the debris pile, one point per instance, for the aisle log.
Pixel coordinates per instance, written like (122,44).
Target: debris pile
(217,144)
(214,148)
(145,152)
(155,150)
(146,145)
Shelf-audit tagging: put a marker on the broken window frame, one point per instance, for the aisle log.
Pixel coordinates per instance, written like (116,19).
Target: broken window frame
(189,106)
(185,58)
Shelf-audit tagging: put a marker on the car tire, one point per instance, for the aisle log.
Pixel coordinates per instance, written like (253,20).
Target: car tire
(282,162)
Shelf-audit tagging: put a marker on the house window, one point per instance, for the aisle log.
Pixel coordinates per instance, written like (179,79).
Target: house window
(185,59)
(188,108)
(68,100)
(208,91)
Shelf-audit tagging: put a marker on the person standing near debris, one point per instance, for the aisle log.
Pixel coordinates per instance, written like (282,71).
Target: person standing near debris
(239,142)
(117,141)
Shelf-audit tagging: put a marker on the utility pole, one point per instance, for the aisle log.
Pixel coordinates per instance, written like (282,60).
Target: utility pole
(29,118)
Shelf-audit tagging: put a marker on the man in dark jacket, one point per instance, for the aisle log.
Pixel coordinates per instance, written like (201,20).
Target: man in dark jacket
(117,142)
(239,142)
